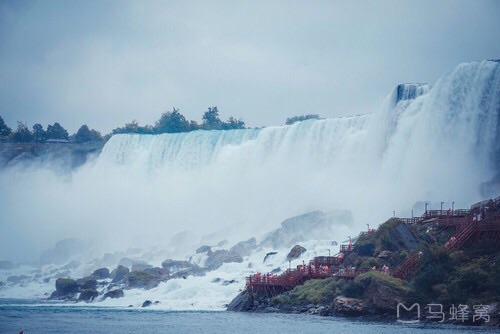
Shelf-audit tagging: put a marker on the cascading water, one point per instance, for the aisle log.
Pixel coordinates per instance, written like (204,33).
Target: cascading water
(434,144)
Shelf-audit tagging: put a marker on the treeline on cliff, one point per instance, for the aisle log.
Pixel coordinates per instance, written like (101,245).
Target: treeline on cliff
(169,122)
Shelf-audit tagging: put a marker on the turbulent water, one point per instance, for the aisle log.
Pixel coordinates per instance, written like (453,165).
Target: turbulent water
(436,144)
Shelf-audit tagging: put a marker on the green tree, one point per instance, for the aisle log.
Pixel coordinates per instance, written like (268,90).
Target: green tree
(4,129)
(56,131)
(295,119)
(133,127)
(233,123)
(22,134)
(84,135)
(38,132)
(172,122)
(211,120)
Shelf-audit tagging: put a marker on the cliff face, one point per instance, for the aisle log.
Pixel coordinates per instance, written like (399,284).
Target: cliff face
(469,277)
(67,155)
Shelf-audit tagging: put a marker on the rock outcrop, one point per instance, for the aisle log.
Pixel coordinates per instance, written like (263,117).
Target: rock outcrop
(118,293)
(243,302)
(101,273)
(118,274)
(310,226)
(219,257)
(349,306)
(295,252)
(244,248)
(66,288)
(140,279)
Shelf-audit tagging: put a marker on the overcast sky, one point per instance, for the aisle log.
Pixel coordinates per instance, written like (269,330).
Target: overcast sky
(105,63)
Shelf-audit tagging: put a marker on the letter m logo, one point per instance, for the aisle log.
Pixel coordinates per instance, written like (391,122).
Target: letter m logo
(408,317)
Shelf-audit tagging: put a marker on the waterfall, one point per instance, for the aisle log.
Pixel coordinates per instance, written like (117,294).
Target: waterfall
(427,143)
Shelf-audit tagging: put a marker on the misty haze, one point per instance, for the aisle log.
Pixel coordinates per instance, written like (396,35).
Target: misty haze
(202,157)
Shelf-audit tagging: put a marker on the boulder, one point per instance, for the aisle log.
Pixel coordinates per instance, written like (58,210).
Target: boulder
(118,293)
(219,257)
(268,255)
(241,303)
(140,279)
(86,283)
(244,248)
(310,226)
(383,292)
(177,269)
(101,273)
(6,265)
(276,270)
(119,273)
(295,252)
(204,249)
(88,295)
(140,266)
(157,272)
(147,303)
(349,306)
(66,288)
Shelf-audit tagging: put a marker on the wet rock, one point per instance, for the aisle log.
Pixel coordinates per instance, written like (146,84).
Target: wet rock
(141,266)
(66,288)
(295,252)
(349,306)
(157,272)
(276,270)
(86,283)
(140,279)
(204,249)
(147,303)
(178,269)
(219,257)
(228,282)
(173,266)
(241,303)
(310,226)
(88,295)
(118,293)
(268,255)
(244,248)
(119,273)
(101,273)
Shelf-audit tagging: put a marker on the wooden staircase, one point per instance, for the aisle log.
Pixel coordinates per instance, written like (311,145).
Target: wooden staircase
(463,236)
(407,267)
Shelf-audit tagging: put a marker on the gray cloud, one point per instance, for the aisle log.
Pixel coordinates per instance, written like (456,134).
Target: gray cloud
(105,63)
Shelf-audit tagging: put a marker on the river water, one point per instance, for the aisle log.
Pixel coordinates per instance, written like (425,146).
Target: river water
(49,317)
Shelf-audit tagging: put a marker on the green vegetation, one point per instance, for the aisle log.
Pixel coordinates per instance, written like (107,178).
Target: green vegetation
(169,122)
(469,277)
(295,119)
(315,291)
(4,129)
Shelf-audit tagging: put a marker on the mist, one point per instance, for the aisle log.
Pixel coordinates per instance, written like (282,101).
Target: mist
(424,144)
